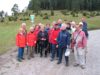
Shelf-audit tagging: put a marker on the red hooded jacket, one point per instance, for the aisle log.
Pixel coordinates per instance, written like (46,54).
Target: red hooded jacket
(31,39)
(20,40)
(54,35)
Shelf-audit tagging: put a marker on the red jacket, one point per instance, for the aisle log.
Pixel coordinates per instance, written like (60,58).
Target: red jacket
(31,39)
(36,34)
(49,34)
(54,36)
(20,40)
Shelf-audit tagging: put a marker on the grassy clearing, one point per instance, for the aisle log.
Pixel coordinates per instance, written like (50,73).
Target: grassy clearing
(8,30)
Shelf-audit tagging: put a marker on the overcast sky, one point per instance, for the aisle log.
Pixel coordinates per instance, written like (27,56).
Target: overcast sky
(6,5)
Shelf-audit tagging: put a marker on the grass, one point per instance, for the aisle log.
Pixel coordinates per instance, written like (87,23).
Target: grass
(8,30)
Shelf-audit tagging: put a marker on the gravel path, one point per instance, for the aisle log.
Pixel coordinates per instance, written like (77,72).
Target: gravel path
(43,66)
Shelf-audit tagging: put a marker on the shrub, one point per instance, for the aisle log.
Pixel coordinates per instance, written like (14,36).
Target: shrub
(52,13)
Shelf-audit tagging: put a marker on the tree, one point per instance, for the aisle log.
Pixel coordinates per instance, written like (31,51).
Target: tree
(15,9)
(64,4)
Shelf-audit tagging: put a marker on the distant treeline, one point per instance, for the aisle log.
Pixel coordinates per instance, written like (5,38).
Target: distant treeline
(90,5)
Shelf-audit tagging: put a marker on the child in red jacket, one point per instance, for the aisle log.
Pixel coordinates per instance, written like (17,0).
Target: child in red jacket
(31,42)
(21,43)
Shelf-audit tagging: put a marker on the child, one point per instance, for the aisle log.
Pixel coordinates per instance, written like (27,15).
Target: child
(20,42)
(31,42)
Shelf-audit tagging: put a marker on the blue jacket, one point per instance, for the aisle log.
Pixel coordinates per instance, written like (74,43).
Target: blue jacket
(84,28)
(63,38)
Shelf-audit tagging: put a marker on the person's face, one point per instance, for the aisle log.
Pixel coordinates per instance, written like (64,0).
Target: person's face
(24,26)
(47,26)
(83,19)
(21,31)
(59,21)
(32,29)
(42,28)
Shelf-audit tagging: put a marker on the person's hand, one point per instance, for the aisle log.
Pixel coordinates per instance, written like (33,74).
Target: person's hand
(56,46)
(68,47)
(34,41)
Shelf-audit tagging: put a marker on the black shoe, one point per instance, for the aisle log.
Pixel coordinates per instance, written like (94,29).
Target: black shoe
(67,64)
(59,63)
(23,58)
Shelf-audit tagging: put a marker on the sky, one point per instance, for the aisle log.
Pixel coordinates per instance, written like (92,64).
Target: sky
(6,5)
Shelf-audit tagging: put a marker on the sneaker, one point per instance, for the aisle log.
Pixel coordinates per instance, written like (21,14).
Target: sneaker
(59,62)
(76,65)
(51,59)
(19,60)
(82,67)
(23,58)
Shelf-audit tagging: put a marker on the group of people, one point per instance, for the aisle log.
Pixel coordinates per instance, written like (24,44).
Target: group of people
(57,40)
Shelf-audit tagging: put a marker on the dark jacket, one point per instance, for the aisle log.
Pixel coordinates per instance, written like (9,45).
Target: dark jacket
(42,35)
(84,28)
(63,38)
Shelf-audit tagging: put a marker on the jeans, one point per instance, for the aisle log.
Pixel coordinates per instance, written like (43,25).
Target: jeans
(54,51)
(20,52)
(61,51)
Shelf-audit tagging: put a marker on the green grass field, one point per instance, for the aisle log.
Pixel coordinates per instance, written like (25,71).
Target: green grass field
(8,30)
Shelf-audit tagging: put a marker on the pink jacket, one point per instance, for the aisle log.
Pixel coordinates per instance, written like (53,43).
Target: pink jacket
(81,40)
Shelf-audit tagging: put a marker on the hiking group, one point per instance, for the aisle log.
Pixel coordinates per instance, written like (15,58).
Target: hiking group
(55,40)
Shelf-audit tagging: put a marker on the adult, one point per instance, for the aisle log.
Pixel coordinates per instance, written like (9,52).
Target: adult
(85,27)
(42,37)
(21,43)
(63,43)
(80,42)
(54,36)
(59,22)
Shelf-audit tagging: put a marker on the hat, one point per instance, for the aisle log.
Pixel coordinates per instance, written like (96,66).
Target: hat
(73,22)
(80,23)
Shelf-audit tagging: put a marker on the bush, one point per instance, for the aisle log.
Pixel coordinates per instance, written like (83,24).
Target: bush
(46,16)
(2,19)
(98,13)
(12,18)
(74,14)
(92,14)
(52,13)
(64,12)
(24,19)
(85,13)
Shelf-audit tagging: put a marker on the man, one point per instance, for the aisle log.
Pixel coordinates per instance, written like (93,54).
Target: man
(54,36)
(80,41)
(85,27)
(59,22)
(63,42)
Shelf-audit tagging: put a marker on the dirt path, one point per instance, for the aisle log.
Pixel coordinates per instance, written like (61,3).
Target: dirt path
(43,66)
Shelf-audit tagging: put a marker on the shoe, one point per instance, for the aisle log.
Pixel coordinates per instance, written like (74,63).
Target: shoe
(19,60)
(67,64)
(51,59)
(76,65)
(82,67)
(23,58)
(59,62)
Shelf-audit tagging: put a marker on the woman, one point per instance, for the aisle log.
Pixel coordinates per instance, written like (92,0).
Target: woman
(31,42)
(21,43)
(42,38)
(63,43)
